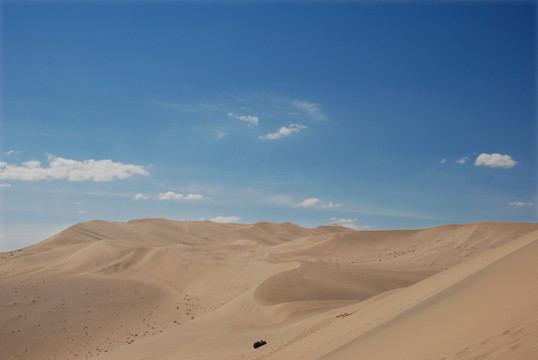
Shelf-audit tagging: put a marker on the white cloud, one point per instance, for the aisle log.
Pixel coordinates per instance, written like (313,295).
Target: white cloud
(520,203)
(226,219)
(443,161)
(283,131)
(140,196)
(251,119)
(11,152)
(5,185)
(343,220)
(287,200)
(462,160)
(170,195)
(495,160)
(308,202)
(194,197)
(311,109)
(72,170)
(331,205)
(349,223)
(221,134)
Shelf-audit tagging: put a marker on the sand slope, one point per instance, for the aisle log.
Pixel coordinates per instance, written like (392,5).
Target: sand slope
(161,289)
(485,310)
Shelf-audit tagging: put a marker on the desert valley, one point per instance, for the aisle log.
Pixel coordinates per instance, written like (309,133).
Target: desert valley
(162,289)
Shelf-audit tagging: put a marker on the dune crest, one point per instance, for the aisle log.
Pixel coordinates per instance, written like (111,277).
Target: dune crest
(163,289)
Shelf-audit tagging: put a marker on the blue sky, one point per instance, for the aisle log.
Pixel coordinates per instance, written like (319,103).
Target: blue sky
(370,115)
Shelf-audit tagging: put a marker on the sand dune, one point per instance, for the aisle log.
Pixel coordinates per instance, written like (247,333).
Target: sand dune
(162,289)
(486,308)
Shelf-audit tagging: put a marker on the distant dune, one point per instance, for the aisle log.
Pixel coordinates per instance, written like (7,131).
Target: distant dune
(162,289)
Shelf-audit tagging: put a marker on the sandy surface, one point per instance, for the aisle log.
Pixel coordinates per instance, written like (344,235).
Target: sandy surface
(161,289)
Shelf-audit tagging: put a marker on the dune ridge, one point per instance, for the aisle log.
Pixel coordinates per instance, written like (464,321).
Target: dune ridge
(163,289)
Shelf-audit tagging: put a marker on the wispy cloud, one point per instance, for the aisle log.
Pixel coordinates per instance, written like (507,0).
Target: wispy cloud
(462,160)
(331,205)
(343,220)
(495,160)
(226,219)
(194,197)
(443,161)
(308,202)
(11,152)
(289,201)
(250,119)
(140,196)
(520,203)
(283,132)
(311,109)
(221,134)
(5,185)
(317,202)
(170,195)
(72,170)
(349,223)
